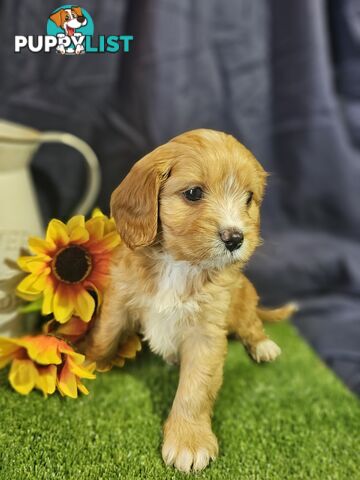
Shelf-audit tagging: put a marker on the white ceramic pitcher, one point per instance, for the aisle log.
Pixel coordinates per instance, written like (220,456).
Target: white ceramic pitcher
(19,212)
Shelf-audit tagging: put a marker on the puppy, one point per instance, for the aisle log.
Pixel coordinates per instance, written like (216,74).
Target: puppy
(69,19)
(188,215)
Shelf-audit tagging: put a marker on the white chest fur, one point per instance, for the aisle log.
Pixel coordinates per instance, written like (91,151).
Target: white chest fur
(170,312)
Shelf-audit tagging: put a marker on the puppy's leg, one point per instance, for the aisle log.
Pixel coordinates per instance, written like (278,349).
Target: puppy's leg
(245,322)
(110,329)
(252,334)
(265,350)
(189,442)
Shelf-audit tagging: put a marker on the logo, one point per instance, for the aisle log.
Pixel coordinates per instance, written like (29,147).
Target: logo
(70,25)
(70,31)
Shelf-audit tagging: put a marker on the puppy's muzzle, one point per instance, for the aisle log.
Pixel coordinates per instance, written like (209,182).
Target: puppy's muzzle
(232,238)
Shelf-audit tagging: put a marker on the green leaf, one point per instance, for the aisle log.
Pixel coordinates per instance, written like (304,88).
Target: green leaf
(34,306)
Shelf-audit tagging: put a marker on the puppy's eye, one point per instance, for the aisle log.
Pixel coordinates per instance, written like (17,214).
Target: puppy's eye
(67,17)
(194,194)
(249,198)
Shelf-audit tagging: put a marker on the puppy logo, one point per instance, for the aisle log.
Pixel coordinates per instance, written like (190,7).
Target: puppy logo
(69,19)
(70,31)
(70,24)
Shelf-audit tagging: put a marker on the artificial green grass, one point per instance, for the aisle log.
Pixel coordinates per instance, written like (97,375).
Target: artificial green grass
(288,420)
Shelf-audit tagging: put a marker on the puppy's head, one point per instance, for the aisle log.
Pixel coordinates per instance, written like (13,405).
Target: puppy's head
(197,197)
(71,17)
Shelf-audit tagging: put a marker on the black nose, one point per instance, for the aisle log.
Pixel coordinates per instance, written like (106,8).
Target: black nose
(232,238)
(81,19)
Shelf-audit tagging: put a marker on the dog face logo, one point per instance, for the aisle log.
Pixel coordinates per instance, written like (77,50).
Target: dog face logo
(70,24)
(69,19)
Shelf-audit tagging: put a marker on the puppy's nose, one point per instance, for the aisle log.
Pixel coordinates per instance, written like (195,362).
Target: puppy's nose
(81,19)
(232,238)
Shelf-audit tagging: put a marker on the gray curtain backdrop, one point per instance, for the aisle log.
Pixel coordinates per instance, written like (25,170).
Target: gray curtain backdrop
(283,76)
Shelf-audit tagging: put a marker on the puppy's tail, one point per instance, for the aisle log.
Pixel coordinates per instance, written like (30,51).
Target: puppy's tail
(275,315)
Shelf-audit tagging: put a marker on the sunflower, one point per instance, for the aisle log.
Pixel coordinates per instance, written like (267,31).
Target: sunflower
(44,362)
(72,331)
(72,261)
(128,350)
(76,329)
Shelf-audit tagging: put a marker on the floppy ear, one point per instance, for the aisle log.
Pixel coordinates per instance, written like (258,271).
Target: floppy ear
(57,18)
(261,181)
(134,203)
(78,11)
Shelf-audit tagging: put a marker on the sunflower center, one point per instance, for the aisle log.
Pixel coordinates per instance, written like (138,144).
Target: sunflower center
(72,264)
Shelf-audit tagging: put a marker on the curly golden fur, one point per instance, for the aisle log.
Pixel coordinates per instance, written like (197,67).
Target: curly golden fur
(174,280)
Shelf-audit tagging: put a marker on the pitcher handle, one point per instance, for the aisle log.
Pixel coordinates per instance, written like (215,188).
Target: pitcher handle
(94,176)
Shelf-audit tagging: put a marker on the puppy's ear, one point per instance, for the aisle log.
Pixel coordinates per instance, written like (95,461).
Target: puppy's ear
(134,203)
(57,18)
(77,10)
(261,181)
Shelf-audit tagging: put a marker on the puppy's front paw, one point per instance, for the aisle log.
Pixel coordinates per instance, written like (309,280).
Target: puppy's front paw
(266,351)
(188,446)
(79,49)
(60,49)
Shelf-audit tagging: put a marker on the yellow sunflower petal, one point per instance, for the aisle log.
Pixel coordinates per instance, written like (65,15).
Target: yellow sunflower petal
(23,375)
(47,305)
(66,382)
(109,223)
(97,213)
(46,380)
(81,371)
(110,226)
(95,227)
(98,292)
(35,282)
(29,297)
(84,304)
(79,235)
(8,346)
(24,261)
(118,361)
(63,303)
(75,327)
(27,283)
(40,246)
(68,350)
(5,360)
(41,281)
(76,229)
(57,233)
(130,347)
(8,350)
(106,244)
(82,387)
(75,222)
(104,367)
(33,264)
(43,349)
(98,279)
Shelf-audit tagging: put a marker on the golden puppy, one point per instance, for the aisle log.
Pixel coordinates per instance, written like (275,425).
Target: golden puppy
(188,215)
